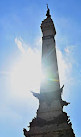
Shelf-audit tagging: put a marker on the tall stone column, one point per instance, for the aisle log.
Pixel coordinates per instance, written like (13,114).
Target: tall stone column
(50,121)
(49,58)
(50,93)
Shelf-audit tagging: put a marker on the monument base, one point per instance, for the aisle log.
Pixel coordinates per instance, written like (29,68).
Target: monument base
(60,126)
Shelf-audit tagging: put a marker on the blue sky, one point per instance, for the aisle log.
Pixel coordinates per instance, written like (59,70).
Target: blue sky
(20,52)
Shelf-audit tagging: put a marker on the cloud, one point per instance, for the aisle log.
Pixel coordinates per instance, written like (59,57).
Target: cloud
(67,50)
(38,42)
(64,66)
(19,45)
(26,72)
(5,73)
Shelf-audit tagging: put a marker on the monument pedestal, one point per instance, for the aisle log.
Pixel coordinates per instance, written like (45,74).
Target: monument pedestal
(57,127)
(51,121)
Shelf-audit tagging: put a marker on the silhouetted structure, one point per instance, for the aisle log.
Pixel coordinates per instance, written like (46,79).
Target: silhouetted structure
(50,121)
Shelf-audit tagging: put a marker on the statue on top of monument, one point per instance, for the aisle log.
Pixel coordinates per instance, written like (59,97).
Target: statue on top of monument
(48,12)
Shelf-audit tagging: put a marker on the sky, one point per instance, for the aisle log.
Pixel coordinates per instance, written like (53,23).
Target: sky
(20,60)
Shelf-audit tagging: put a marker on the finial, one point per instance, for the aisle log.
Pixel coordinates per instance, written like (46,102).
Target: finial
(48,12)
(47,6)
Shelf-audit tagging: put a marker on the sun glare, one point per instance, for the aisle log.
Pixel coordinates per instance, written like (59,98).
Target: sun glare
(26,73)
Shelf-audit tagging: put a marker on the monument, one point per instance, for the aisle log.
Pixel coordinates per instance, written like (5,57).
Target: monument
(50,121)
